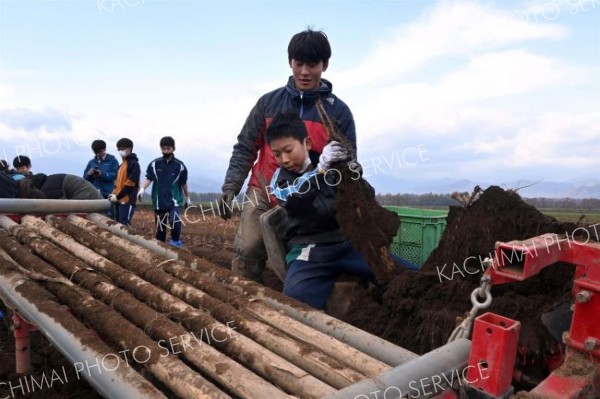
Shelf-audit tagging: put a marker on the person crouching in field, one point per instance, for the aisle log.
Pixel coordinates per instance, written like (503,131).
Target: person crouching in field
(318,251)
(57,186)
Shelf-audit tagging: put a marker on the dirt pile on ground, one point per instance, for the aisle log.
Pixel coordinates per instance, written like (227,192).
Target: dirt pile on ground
(419,310)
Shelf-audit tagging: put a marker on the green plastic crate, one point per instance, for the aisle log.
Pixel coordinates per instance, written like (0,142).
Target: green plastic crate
(419,234)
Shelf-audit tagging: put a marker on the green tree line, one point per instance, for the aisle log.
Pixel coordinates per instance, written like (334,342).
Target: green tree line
(442,200)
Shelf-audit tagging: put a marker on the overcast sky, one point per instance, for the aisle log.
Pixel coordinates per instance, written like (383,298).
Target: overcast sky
(490,91)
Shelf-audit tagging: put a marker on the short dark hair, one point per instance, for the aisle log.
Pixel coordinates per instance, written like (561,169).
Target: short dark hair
(309,46)
(3,165)
(286,125)
(21,160)
(98,145)
(167,141)
(124,143)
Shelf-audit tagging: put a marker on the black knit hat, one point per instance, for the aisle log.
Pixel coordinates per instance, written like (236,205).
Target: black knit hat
(21,160)
(167,141)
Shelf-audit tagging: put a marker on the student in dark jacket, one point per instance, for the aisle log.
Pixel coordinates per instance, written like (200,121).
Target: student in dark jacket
(168,176)
(308,56)
(318,251)
(101,170)
(8,186)
(57,186)
(127,185)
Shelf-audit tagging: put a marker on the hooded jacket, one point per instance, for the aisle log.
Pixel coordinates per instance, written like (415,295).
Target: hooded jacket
(251,144)
(127,184)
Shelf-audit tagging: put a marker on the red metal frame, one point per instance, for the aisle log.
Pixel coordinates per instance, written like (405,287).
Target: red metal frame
(520,260)
(21,331)
(564,383)
(527,258)
(493,353)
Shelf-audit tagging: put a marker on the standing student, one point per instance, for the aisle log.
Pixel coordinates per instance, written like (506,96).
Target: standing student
(127,185)
(101,170)
(168,176)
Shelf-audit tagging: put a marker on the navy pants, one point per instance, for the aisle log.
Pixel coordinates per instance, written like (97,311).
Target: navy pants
(311,276)
(124,213)
(168,218)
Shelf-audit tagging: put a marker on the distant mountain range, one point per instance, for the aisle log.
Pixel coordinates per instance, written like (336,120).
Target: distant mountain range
(388,184)
(529,189)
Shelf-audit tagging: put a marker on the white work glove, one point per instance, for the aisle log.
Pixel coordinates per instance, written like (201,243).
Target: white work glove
(188,202)
(141,194)
(332,152)
(112,197)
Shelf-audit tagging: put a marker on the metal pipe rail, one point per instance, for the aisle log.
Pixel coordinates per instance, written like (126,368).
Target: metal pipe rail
(404,379)
(361,340)
(359,362)
(47,206)
(122,382)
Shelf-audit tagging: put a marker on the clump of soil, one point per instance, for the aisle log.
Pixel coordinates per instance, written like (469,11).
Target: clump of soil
(369,227)
(419,310)
(577,364)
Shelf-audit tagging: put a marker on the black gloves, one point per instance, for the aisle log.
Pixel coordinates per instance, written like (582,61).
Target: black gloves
(225,204)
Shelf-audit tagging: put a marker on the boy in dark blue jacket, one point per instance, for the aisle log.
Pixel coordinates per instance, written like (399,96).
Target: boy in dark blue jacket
(168,176)
(101,170)
(305,186)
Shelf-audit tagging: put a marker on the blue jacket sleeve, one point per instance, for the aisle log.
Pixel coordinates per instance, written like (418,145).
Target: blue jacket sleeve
(245,151)
(183,178)
(150,175)
(86,170)
(111,173)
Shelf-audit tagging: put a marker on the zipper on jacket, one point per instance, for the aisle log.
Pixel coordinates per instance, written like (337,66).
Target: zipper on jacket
(301,104)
